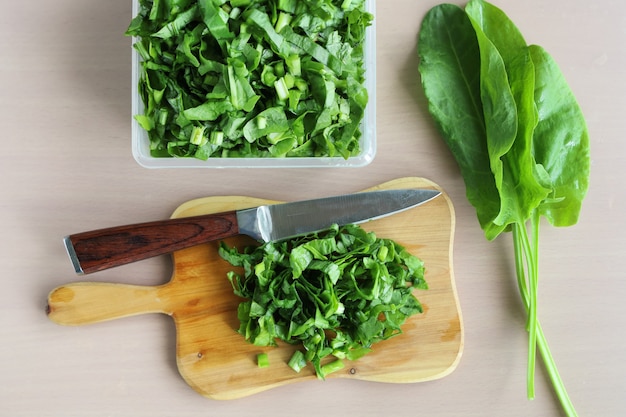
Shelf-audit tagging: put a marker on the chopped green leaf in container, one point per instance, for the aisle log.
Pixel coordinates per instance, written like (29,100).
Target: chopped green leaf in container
(252,78)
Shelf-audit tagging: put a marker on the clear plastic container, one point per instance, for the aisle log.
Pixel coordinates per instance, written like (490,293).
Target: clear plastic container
(141,145)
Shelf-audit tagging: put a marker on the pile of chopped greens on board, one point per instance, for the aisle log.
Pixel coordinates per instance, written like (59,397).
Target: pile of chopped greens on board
(251,78)
(336,293)
(517,133)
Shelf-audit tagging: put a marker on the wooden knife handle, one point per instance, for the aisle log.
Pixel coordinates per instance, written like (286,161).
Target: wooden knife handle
(106,248)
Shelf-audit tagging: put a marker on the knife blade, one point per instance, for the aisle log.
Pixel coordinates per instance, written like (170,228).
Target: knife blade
(106,248)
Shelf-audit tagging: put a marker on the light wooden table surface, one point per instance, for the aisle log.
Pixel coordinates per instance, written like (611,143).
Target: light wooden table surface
(67,167)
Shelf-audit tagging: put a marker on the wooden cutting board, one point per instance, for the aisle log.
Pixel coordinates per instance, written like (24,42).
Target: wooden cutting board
(218,363)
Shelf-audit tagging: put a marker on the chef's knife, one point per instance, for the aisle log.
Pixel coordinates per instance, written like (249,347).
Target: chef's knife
(105,248)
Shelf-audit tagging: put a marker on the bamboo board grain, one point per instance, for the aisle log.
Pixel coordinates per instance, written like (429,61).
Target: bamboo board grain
(216,361)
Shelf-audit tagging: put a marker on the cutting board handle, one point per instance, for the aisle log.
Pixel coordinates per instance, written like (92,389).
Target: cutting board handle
(92,302)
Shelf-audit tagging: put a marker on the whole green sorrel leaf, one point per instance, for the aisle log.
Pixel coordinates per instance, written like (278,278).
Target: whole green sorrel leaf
(450,67)
(517,133)
(512,161)
(560,141)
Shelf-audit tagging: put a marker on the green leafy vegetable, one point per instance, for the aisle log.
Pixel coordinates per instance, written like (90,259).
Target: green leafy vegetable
(262,360)
(297,362)
(337,293)
(517,134)
(273,78)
